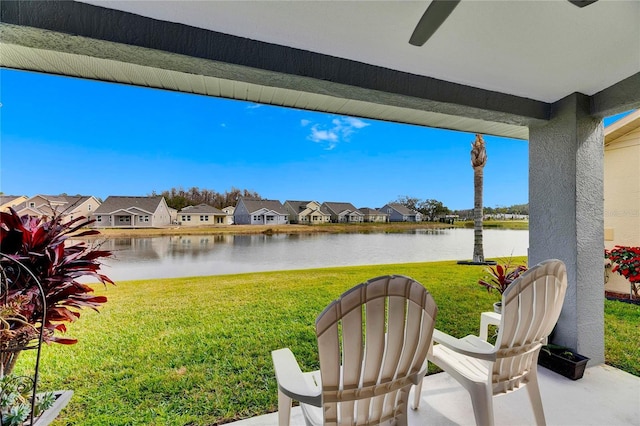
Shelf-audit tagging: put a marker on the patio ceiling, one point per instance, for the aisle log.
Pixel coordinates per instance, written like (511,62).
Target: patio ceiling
(493,67)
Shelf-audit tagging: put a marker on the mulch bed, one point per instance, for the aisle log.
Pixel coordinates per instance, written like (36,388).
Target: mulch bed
(621,297)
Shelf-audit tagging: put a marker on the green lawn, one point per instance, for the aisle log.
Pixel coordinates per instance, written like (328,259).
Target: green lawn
(197,350)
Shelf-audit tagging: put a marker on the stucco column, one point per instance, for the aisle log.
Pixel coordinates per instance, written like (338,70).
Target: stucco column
(566,217)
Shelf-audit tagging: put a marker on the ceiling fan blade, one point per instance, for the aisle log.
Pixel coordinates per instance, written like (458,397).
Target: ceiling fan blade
(433,17)
(582,3)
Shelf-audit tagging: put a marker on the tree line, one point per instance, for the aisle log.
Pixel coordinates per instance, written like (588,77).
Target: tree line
(433,209)
(179,198)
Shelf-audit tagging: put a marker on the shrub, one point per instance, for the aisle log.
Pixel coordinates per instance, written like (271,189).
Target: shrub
(36,249)
(626,262)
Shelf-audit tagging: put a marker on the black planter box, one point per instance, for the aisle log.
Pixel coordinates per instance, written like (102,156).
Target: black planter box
(570,368)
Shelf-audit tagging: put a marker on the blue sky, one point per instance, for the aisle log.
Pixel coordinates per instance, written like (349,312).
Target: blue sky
(61,134)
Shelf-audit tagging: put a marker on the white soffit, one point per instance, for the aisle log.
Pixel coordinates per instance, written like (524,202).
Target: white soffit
(541,50)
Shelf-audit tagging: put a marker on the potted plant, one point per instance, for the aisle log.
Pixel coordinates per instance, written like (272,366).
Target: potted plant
(499,278)
(41,245)
(563,360)
(626,262)
(40,292)
(15,404)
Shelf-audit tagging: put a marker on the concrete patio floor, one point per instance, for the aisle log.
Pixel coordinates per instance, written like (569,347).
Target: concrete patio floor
(605,396)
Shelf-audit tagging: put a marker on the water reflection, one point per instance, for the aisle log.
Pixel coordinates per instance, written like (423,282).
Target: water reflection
(175,256)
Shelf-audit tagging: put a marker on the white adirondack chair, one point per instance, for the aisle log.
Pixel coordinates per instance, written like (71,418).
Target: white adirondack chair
(531,306)
(372,343)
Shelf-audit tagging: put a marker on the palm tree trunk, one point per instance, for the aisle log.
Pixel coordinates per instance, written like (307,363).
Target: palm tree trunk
(478,160)
(478,252)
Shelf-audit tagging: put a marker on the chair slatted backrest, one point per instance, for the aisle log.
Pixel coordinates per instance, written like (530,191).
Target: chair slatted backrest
(372,345)
(531,306)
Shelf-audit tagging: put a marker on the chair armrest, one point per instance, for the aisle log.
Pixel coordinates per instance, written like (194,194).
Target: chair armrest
(487,318)
(292,381)
(471,346)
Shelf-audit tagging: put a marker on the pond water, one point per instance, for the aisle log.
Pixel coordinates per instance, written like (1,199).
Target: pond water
(197,255)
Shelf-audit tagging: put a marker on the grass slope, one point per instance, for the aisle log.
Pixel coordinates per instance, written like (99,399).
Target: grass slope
(196,351)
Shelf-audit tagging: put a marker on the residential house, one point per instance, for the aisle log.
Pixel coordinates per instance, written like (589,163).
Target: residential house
(133,212)
(229,211)
(7,201)
(253,211)
(202,214)
(72,206)
(621,189)
(374,215)
(400,213)
(306,212)
(342,212)
(173,214)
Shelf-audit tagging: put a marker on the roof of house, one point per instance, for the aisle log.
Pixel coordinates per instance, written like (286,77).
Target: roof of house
(621,127)
(402,209)
(4,199)
(255,204)
(367,210)
(297,205)
(338,208)
(114,203)
(201,209)
(64,202)
(70,199)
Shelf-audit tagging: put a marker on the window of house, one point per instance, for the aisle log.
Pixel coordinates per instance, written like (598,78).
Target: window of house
(204,218)
(270,217)
(89,207)
(98,218)
(32,204)
(219,219)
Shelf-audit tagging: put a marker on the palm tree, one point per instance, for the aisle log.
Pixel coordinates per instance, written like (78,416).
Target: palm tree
(478,160)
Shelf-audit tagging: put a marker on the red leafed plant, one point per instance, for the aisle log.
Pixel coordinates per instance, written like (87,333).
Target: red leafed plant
(41,245)
(626,262)
(501,277)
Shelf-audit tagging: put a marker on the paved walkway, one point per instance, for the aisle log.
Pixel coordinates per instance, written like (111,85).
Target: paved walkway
(605,396)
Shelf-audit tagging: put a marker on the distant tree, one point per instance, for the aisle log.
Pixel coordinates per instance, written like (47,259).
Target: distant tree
(478,161)
(409,202)
(179,198)
(432,209)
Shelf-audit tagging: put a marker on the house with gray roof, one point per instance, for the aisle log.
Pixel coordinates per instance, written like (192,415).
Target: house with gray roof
(342,212)
(201,215)
(400,213)
(253,211)
(7,201)
(132,212)
(374,215)
(306,212)
(72,206)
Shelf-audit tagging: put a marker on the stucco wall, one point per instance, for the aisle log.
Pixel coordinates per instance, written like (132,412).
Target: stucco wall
(622,199)
(622,191)
(566,217)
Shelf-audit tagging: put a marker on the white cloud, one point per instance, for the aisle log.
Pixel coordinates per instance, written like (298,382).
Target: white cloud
(254,106)
(331,134)
(355,122)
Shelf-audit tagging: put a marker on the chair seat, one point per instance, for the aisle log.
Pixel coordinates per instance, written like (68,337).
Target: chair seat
(473,369)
